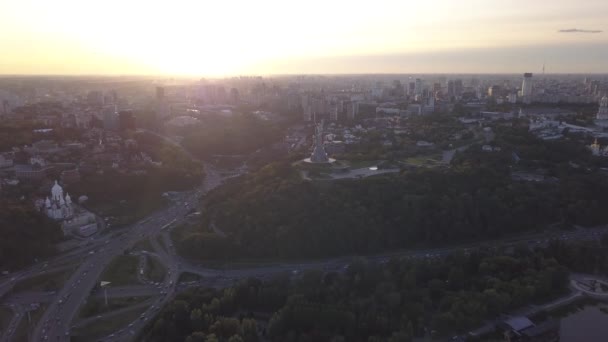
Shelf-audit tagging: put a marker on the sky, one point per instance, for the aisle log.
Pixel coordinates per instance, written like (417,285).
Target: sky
(238,37)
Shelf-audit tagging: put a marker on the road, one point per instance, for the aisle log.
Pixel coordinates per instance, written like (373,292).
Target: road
(55,322)
(63,305)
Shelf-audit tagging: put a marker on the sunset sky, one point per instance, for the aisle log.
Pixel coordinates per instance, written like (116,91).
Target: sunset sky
(220,38)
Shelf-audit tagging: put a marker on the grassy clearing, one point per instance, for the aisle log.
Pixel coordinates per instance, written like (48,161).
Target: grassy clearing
(187,276)
(121,271)
(143,245)
(6,315)
(161,242)
(25,327)
(104,326)
(155,271)
(96,306)
(45,282)
(425,160)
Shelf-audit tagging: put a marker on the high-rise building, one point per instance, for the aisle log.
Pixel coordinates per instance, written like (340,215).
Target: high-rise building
(5,107)
(110,117)
(319,106)
(126,120)
(352,110)
(234,96)
(160,93)
(95,98)
(495,91)
(411,89)
(436,87)
(293,101)
(307,112)
(451,88)
(458,87)
(418,89)
(526,88)
(221,96)
(602,113)
(333,111)
(378,91)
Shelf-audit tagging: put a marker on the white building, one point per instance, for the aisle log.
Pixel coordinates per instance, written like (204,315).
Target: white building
(74,219)
(58,207)
(526,88)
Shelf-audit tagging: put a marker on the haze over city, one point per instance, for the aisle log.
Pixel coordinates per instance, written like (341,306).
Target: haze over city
(304,171)
(221,38)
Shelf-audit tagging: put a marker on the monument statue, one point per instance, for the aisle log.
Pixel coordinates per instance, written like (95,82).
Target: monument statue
(318,154)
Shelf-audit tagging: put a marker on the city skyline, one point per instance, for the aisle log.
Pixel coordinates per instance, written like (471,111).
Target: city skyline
(272,37)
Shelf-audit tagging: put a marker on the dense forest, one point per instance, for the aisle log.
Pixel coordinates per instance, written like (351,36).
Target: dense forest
(25,234)
(18,134)
(271,214)
(394,301)
(274,213)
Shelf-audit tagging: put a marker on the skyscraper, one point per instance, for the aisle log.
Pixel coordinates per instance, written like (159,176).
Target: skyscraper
(526,88)
(418,86)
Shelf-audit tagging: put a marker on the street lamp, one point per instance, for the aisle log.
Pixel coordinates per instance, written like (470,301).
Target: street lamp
(103,284)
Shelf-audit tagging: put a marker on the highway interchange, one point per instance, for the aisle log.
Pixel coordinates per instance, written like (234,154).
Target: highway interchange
(62,306)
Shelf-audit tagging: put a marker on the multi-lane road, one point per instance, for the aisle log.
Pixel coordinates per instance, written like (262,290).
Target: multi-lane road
(94,255)
(54,325)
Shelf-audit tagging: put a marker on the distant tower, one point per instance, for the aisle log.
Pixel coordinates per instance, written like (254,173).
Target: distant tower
(602,113)
(526,88)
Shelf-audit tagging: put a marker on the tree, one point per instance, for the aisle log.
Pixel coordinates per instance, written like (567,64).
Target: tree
(235,338)
(211,338)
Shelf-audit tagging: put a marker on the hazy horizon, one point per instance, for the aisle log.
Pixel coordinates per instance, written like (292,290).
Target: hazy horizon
(194,38)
